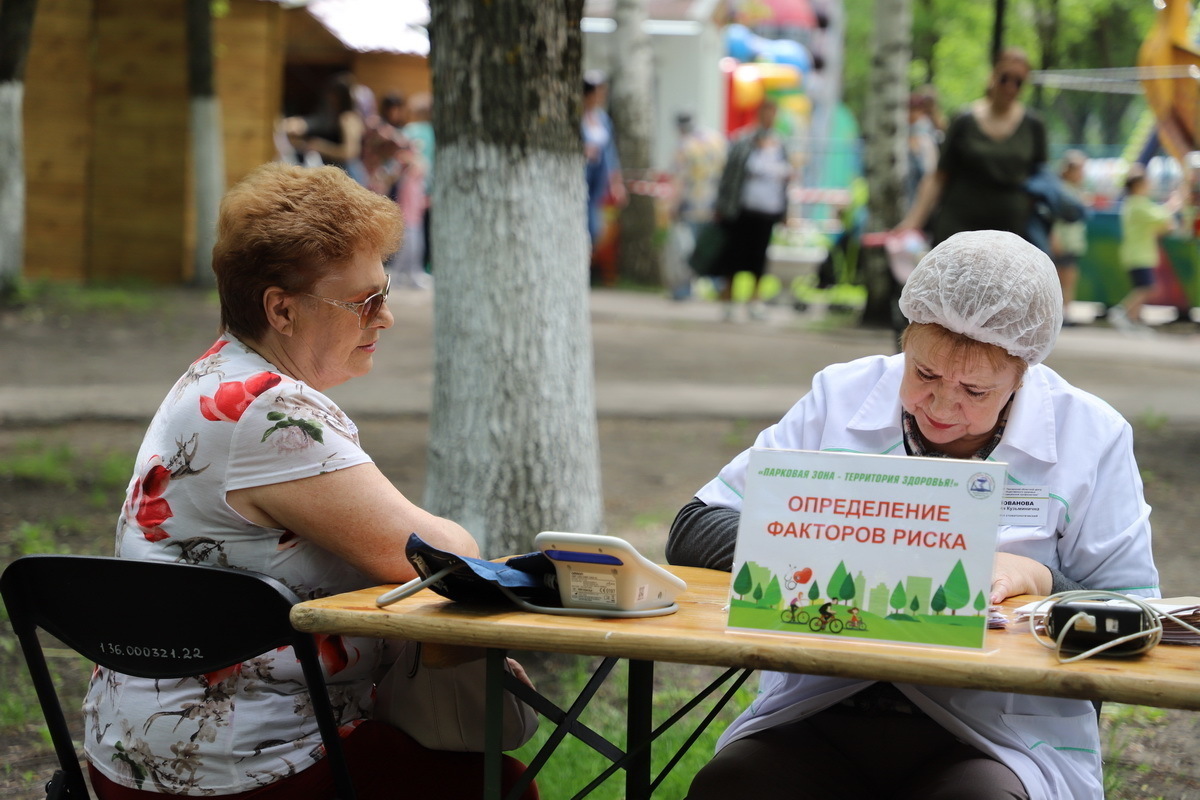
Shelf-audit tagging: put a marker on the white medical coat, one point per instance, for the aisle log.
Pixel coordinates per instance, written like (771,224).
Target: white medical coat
(1097,533)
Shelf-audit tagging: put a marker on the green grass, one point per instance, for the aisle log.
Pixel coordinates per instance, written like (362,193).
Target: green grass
(574,765)
(65,298)
(1152,420)
(1121,726)
(101,477)
(60,465)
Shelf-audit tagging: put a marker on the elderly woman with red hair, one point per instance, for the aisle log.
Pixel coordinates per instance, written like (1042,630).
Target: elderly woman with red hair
(248,464)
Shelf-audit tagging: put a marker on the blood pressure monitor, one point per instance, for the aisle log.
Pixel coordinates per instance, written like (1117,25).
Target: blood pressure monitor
(604,573)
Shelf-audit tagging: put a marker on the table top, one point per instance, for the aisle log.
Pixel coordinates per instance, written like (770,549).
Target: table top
(1168,676)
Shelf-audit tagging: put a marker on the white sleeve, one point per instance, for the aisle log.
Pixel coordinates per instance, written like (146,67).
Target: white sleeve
(1108,546)
(288,433)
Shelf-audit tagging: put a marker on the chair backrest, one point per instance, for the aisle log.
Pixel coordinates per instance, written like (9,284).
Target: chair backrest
(99,607)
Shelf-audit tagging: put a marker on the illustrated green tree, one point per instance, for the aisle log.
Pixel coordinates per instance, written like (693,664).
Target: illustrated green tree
(848,589)
(835,581)
(980,603)
(758,594)
(958,589)
(938,603)
(899,597)
(814,591)
(915,604)
(774,595)
(742,584)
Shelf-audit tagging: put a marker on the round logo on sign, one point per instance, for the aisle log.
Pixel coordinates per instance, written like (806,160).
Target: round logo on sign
(981,485)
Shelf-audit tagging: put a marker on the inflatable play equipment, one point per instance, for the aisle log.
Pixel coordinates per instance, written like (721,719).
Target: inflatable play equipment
(757,68)
(1169,62)
(1168,51)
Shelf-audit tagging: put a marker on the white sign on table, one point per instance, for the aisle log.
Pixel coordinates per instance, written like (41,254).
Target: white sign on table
(893,548)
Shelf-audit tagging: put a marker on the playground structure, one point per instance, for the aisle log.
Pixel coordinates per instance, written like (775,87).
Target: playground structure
(1168,68)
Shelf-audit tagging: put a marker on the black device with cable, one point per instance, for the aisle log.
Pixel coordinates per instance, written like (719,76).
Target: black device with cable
(1088,624)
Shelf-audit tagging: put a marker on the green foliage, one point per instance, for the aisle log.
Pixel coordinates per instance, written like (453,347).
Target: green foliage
(952,50)
(814,591)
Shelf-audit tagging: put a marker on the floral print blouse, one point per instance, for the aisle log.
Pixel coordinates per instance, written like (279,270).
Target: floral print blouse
(233,421)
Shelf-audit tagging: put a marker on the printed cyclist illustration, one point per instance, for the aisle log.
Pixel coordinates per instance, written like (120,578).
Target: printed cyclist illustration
(827,622)
(794,613)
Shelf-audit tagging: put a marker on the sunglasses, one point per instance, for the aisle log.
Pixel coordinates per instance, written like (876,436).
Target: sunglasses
(367,310)
(1015,80)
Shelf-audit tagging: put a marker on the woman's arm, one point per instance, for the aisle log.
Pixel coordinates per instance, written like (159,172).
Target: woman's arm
(703,536)
(929,192)
(352,135)
(357,515)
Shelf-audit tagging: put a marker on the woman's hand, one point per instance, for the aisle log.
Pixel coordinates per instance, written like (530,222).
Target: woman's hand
(1013,575)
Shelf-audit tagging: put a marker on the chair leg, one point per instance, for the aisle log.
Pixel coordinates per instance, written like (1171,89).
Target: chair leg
(56,787)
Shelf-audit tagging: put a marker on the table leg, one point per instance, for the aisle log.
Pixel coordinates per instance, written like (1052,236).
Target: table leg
(494,694)
(638,727)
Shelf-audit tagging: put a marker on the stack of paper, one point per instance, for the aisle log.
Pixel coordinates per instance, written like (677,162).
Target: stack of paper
(1184,610)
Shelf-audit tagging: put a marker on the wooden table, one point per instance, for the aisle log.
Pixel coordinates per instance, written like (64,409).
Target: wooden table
(1168,676)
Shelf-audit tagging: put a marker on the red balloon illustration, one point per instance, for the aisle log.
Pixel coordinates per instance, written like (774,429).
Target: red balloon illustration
(803,575)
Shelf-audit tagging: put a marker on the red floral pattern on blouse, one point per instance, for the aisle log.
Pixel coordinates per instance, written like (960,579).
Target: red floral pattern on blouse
(232,398)
(216,348)
(151,508)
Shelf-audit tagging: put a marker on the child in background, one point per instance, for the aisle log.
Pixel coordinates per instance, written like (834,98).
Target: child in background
(1068,240)
(1142,222)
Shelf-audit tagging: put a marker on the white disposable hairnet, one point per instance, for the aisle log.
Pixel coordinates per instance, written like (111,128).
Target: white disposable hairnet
(992,286)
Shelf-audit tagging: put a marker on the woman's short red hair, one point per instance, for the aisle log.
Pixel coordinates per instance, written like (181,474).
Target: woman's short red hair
(290,226)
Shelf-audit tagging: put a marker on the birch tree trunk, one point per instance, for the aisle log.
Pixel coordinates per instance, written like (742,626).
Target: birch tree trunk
(16,30)
(208,155)
(886,134)
(632,110)
(513,441)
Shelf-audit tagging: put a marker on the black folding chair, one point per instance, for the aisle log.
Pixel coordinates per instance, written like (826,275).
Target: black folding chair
(132,617)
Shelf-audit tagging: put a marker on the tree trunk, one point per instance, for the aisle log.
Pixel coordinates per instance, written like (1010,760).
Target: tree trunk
(16,30)
(886,134)
(632,107)
(208,156)
(513,444)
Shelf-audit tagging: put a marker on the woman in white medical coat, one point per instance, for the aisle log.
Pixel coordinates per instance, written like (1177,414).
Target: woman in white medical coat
(984,311)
